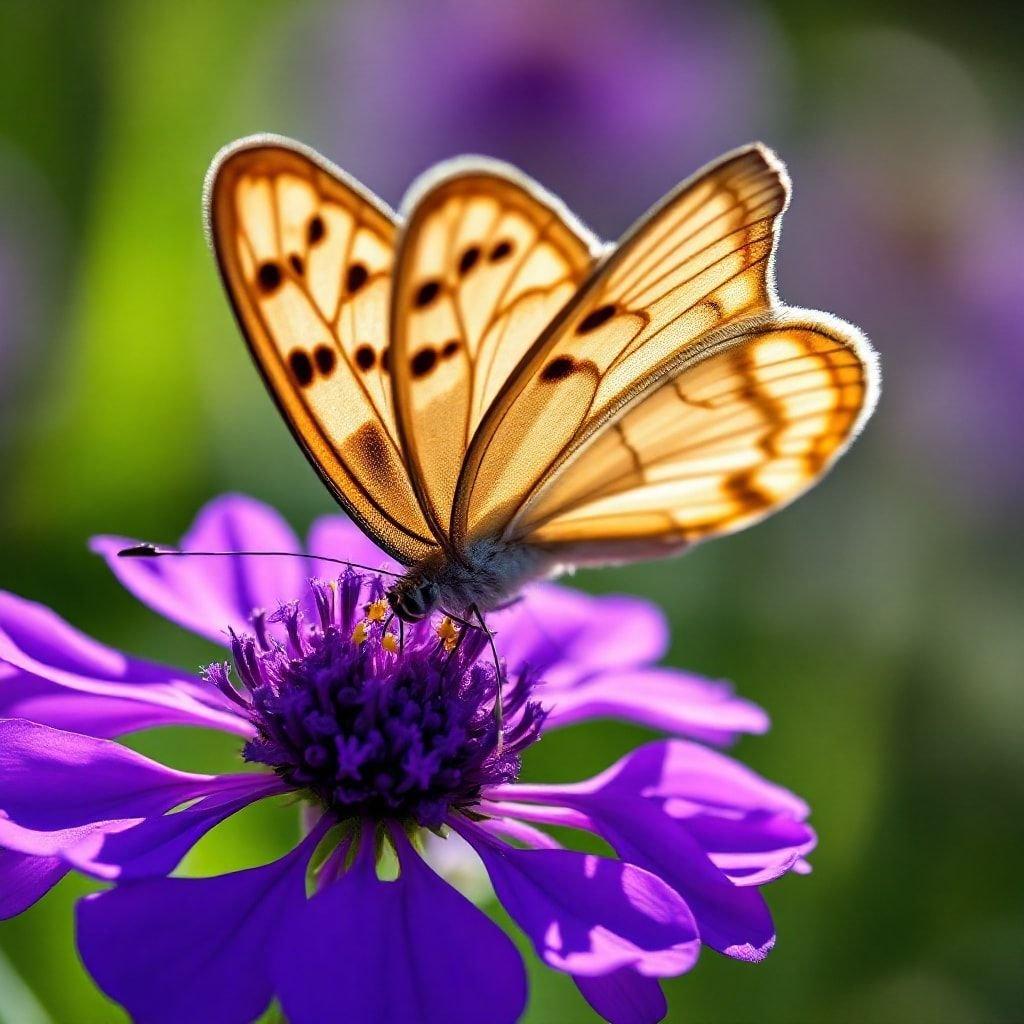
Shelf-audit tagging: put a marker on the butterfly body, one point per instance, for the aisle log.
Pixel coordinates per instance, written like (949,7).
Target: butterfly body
(484,577)
(496,396)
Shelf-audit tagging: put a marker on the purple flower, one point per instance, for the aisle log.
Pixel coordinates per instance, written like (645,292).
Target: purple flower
(387,746)
(609,109)
(923,226)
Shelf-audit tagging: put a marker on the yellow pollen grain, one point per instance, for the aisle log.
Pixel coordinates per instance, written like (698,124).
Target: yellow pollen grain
(448,633)
(377,611)
(389,642)
(359,634)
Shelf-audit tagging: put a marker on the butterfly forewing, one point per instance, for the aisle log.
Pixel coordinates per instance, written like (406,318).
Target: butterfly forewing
(734,436)
(484,263)
(699,263)
(307,260)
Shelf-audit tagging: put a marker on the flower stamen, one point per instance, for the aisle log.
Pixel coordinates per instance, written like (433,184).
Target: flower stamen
(372,727)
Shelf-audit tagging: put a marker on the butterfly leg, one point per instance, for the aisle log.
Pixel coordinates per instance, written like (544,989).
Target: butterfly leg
(499,703)
(511,603)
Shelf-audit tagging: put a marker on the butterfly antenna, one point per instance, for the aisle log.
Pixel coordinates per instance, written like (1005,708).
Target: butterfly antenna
(499,702)
(152,551)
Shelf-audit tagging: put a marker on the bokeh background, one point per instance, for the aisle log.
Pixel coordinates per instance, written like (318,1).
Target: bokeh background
(879,619)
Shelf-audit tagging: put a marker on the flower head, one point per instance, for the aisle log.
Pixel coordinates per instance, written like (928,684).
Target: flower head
(372,725)
(394,746)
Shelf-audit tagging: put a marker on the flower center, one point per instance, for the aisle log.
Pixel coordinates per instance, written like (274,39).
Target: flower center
(372,725)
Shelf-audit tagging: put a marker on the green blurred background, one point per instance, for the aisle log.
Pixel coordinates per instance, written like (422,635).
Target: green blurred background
(878,620)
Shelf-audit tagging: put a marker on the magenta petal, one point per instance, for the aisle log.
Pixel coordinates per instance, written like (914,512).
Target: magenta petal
(338,537)
(624,997)
(25,879)
(565,634)
(209,595)
(52,780)
(590,915)
(366,951)
(58,676)
(192,949)
(661,698)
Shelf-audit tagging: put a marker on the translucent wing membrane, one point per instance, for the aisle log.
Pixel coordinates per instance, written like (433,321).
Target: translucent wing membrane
(487,371)
(739,433)
(699,263)
(484,263)
(307,259)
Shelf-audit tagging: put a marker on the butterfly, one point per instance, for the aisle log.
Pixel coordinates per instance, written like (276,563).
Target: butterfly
(495,396)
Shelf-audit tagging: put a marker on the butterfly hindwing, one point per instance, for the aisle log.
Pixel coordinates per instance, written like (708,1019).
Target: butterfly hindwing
(307,257)
(699,262)
(733,437)
(484,262)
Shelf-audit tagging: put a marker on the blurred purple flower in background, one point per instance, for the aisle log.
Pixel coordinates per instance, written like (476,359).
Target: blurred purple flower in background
(386,744)
(910,226)
(984,377)
(608,108)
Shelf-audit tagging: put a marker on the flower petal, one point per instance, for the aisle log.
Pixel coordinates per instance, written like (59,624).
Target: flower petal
(624,997)
(56,675)
(338,537)
(211,595)
(754,849)
(688,771)
(409,950)
(661,698)
(25,879)
(644,806)
(565,634)
(195,949)
(148,847)
(52,780)
(733,920)
(589,915)
(688,777)
(24,695)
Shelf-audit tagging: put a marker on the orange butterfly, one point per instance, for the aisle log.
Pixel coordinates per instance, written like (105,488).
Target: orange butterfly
(494,395)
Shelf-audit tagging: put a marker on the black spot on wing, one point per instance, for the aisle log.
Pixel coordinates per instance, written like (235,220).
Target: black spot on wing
(268,277)
(365,357)
(501,251)
(301,366)
(356,277)
(558,369)
(426,293)
(324,358)
(315,229)
(594,319)
(423,362)
(469,260)
(295,261)
(450,348)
